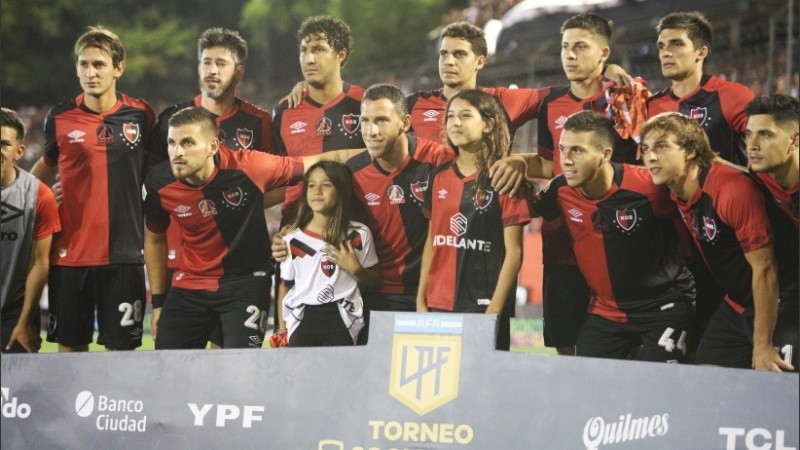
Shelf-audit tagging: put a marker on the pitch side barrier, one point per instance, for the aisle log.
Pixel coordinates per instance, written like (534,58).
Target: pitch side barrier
(424,381)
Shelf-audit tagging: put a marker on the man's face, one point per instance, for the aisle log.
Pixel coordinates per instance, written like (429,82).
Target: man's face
(581,158)
(11,149)
(96,71)
(458,63)
(769,146)
(664,158)
(381,126)
(582,54)
(320,63)
(677,54)
(218,72)
(191,149)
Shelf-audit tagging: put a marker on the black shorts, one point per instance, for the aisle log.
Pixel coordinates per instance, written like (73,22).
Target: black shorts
(116,291)
(8,320)
(216,337)
(322,326)
(709,296)
(661,333)
(566,298)
(728,340)
(240,307)
(376,301)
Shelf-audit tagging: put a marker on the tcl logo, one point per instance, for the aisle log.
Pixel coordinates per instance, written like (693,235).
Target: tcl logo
(226,413)
(755,439)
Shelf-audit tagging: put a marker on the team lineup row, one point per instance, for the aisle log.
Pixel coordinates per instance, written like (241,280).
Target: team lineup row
(440,203)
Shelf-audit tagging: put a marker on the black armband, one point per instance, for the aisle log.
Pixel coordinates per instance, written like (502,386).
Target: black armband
(157,300)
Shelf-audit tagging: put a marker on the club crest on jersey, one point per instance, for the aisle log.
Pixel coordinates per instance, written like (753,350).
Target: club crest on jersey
(207,208)
(323,126)
(328,267)
(418,190)
(599,222)
(709,228)
(483,199)
(699,115)
(105,134)
(233,196)
(131,132)
(245,137)
(627,218)
(350,123)
(396,195)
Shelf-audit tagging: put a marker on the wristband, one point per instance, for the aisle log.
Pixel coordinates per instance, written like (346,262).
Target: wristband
(157,300)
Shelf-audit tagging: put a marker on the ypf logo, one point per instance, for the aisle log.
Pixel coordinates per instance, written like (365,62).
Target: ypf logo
(426,360)
(12,407)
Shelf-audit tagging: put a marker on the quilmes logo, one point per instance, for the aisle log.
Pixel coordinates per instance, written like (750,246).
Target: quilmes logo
(12,407)
(426,360)
(598,432)
(113,414)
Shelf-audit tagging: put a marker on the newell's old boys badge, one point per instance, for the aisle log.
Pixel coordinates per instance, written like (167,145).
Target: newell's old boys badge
(245,137)
(327,267)
(418,190)
(233,196)
(131,132)
(626,218)
(426,360)
(351,122)
(483,199)
(709,228)
(699,115)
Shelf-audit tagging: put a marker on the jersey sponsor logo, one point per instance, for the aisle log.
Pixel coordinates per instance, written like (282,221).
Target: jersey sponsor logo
(699,115)
(130,131)
(207,207)
(458,224)
(372,199)
(597,432)
(183,211)
(233,196)
(11,406)
(105,134)
(328,267)
(756,439)
(244,136)
(323,126)
(575,215)
(442,193)
(350,123)
(425,360)
(431,115)
(396,195)
(559,123)
(76,136)
(483,199)
(9,212)
(298,127)
(709,228)
(627,218)
(114,414)
(325,295)
(418,190)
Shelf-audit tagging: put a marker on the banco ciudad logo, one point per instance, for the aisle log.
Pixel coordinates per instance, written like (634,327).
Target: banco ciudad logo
(426,360)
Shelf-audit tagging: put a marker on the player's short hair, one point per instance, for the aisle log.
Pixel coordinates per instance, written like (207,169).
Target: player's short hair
(102,39)
(470,33)
(698,28)
(335,31)
(688,134)
(590,22)
(389,92)
(223,37)
(10,118)
(784,109)
(194,115)
(595,122)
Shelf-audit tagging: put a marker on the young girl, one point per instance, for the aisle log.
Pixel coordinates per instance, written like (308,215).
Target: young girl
(474,247)
(329,256)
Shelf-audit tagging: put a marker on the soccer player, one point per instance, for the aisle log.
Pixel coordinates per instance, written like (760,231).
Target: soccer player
(612,212)
(30,219)
(216,196)
(96,143)
(327,118)
(726,214)
(773,142)
(685,40)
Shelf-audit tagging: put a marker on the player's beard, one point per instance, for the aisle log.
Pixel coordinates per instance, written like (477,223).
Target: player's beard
(221,91)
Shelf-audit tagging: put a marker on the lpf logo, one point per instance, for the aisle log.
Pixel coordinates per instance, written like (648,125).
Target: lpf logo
(426,360)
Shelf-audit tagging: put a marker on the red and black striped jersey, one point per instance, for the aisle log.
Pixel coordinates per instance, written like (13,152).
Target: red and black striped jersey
(428,109)
(393,202)
(246,126)
(100,159)
(311,128)
(467,229)
(718,106)
(222,223)
(786,199)
(626,242)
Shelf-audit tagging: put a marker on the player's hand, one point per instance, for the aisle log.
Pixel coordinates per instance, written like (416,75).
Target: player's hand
(28,337)
(57,192)
(344,257)
(154,316)
(295,97)
(279,339)
(766,357)
(618,75)
(508,174)
(279,250)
